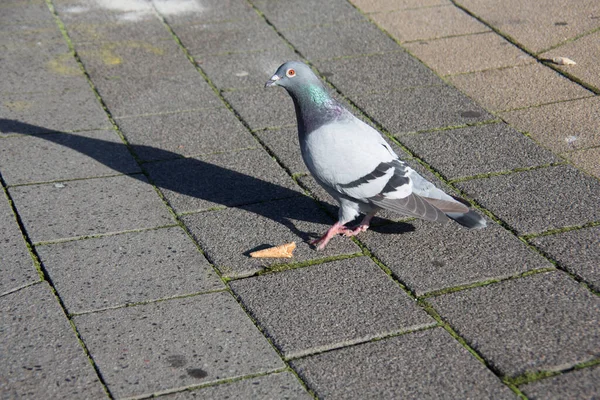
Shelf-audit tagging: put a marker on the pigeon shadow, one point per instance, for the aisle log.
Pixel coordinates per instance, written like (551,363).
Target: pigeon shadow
(177,175)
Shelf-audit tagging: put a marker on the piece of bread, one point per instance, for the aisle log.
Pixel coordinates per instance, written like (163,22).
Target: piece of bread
(281,251)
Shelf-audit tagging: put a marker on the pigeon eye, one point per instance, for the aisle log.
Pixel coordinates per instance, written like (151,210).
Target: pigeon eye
(291,73)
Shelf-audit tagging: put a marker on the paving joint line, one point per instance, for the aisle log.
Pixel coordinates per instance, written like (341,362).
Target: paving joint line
(492,174)
(18,289)
(521,47)
(67,180)
(530,377)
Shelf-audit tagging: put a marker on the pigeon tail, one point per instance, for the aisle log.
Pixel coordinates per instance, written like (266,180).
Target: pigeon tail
(471,220)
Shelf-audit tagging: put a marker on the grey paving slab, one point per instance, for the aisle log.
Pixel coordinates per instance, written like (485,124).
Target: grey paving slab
(282,385)
(228,236)
(245,70)
(104,11)
(518,87)
(164,136)
(340,40)
(537,25)
(41,69)
(561,127)
(101,31)
(477,150)
(421,365)
(428,23)
(26,37)
(41,357)
(429,257)
(285,146)
(577,251)
(124,269)
(132,58)
(307,12)
(31,13)
(421,108)
(176,343)
(89,207)
(72,108)
(209,39)
(132,95)
(327,306)
(476,52)
(376,73)
(372,6)
(15,262)
(207,11)
(587,160)
(582,51)
(540,322)
(228,179)
(579,384)
(263,108)
(61,156)
(539,200)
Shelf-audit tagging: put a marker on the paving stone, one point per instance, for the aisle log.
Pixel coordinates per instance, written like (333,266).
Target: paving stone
(27,37)
(539,200)
(470,53)
(517,87)
(245,70)
(41,357)
(537,25)
(338,40)
(427,364)
(92,11)
(165,136)
(131,96)
(282,385)
(209,39)
(60,156)
(377,73)
(429,257)
(71,109)
(30,13)
(371,6)
(307,12)
(176,343)
(263,108)
(577,251)
(588,160)
(542,322)
(89,207)
(327,306)
(285,146)
(128,58)
(228,179)
(561,127)
(579,384)
(428,23)
(421,108)
(207,11)
(100,31)
(477,150)
(228,236)
(581,51)
(122,269)
(15,262)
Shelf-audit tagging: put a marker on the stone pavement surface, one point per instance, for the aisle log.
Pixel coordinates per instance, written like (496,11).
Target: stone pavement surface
(141,160)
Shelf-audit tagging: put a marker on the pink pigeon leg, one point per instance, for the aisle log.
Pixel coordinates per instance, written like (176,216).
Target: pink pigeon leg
(331,232)
(363,226)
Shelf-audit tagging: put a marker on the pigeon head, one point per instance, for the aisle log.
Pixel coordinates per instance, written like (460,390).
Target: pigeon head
(293,75)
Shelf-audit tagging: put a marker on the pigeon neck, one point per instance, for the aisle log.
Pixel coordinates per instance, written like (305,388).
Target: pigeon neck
(314,107)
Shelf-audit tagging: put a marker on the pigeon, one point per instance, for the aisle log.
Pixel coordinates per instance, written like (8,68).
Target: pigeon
(355,165)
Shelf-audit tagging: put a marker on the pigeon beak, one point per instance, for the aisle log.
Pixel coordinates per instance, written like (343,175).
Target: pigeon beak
(272,81)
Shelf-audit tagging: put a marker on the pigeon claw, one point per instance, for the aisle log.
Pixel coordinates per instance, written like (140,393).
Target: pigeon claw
(336,229)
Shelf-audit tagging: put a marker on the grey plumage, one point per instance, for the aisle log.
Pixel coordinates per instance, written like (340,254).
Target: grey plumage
(355,165)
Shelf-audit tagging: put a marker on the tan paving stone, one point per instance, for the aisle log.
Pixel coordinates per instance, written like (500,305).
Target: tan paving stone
(562,126)
(585,52)
(459,54)
(540,24)
(428,23)
(588,159)
(518,87)
(371,6)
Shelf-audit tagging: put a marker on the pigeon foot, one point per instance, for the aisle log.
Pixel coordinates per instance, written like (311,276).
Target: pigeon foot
(337,228)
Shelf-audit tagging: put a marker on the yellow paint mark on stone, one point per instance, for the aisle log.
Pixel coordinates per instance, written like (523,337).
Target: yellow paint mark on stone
(109,52)
(64,64)
(18,105)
